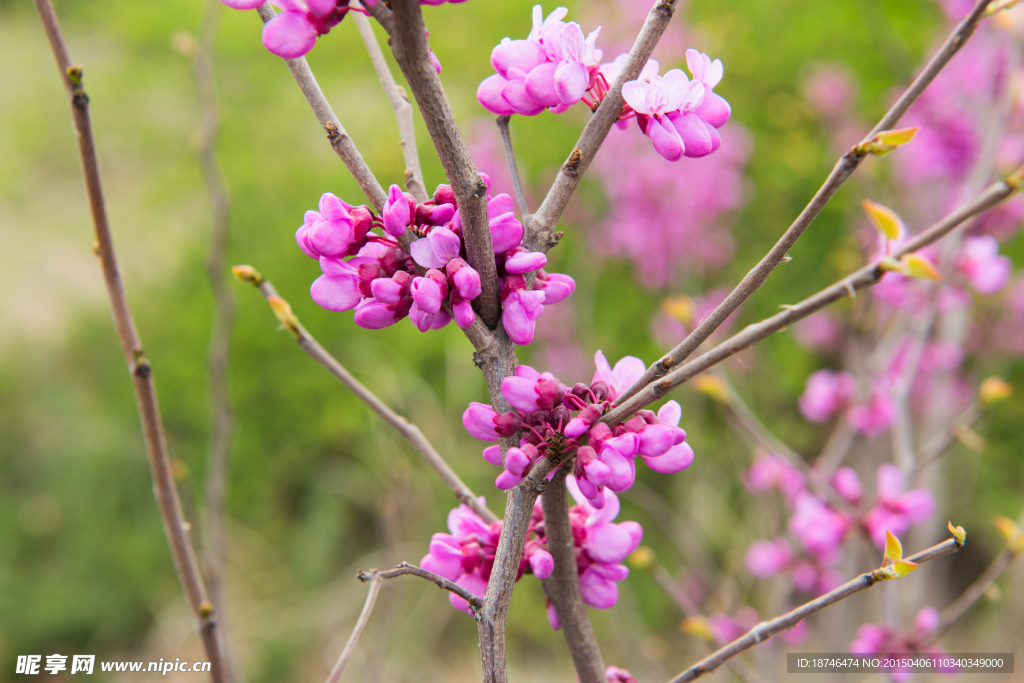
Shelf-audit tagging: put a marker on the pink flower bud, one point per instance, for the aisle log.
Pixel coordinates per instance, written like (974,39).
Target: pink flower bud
(521,393)
(463,313)
(507,480)
(444,243)
(398,213)
(479,421)
(768,558)
(555,286)
(388,290)
(464,278)
(846,482)
(506,232)
(373,315)
(525,262)
(542,564)
(427,294)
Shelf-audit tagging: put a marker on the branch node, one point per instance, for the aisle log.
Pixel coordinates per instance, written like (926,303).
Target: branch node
(572,166)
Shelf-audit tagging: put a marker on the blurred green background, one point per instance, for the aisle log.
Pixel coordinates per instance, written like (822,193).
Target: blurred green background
(318,486)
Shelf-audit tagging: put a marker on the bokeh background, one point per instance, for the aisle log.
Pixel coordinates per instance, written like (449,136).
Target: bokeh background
(318,486)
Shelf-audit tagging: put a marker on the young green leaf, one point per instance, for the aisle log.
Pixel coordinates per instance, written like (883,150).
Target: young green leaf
(903,567)
(921,268)
(884,219)
(958,533)
(893,549)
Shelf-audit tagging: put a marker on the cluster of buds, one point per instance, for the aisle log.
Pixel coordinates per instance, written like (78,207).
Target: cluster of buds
(466,555)
(293,32)
(554,67)
(383,283)
(600,546)
(556,418)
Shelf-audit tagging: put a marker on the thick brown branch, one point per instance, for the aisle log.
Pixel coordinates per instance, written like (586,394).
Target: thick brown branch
(139,367)
(408,430)
(339,139)
(406,569)
(409,43)
(371,599)
(843,169)
(563,586)
(403,109)
(767,629)
(542,234)
(865,277)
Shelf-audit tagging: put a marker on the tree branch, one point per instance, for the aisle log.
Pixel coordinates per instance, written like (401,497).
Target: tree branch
(843,169)
(513,171)
(404,568)
(353,640)
(408,430)
(139,367)
(865,277)
(221,417)
(340,141)
(563,586)
(569,175)
(409,44)
(971,594)
(767,629)
(400,103)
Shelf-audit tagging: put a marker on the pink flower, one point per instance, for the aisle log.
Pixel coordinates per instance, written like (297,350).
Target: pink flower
(628,370)
(773,471)
(616,675)
(466,555)
(875,416)
(768,558)
(664,108)
(980,261)
(819,528)
(896,510)
(846,482)
(604,546)
(554,67)
(826,393)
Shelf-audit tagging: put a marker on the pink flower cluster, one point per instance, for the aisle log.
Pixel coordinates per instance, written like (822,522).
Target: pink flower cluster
(820,528)
(681,116)
(557,417)
(726,628)
(381,282)
(895,509)
(293,32)
(600,545)
(555,67)
(466,555)
(828,393)
(873,639)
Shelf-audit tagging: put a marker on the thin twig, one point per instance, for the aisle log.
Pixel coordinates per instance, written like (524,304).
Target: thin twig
(572,171)
(408,430)
(843,169)
(865,277)
(353,640)
(940,444)
(513,171)
(400,103)
(767,629)
(690,609)
(563,586)
(409,44)
(406,569)
(139,367)
(959,607)
(340,141)
(221,417)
